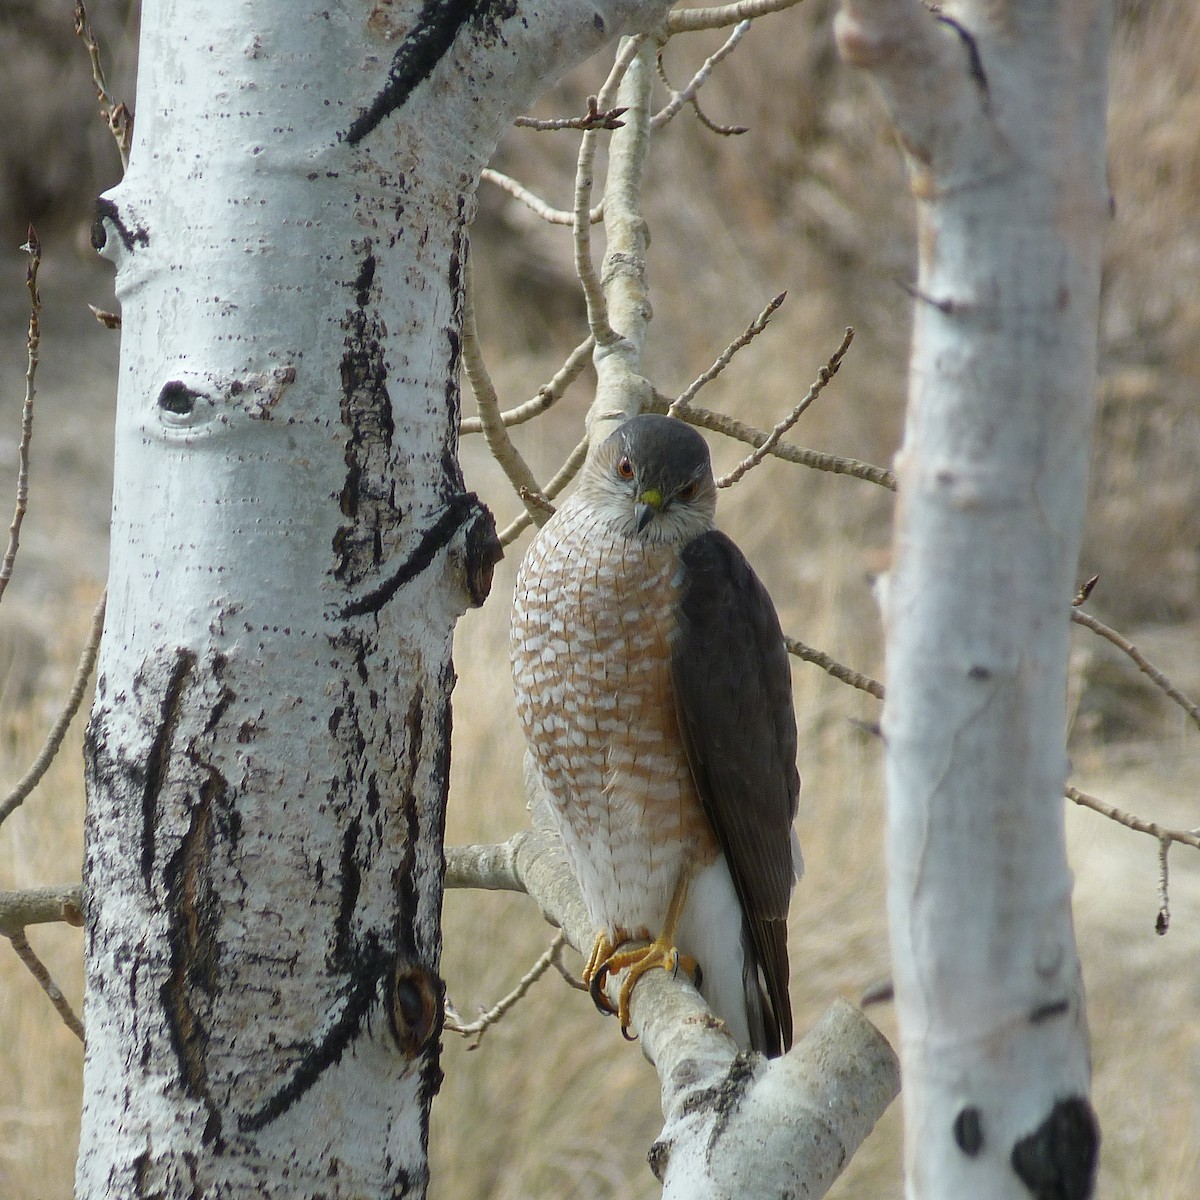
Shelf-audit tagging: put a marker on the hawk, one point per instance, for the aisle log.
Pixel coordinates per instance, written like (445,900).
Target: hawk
(654,690)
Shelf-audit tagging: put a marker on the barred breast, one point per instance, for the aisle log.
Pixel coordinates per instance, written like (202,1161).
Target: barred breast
(593,619)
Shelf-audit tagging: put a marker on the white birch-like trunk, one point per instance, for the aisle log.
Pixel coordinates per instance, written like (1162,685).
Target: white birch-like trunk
(292,543)
(1001,110)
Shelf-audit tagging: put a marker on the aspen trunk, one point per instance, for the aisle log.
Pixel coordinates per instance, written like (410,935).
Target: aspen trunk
(1001,111)
(268,753)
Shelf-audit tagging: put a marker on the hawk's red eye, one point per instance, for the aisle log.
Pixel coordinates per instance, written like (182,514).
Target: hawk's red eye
(688,491)
(625,469)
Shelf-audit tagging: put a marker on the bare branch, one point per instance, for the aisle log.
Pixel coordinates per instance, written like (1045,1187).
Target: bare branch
(565,474)
(569,976)
(688,94)
(40,906)
(33,342)
(832,667)
(597,305)
(690,20)
(476,1029)
(38,970)
(87,661)
(594,118)
(726,356)
(715,126)
(622,390)
(1183,836)
(826,373)
(731,427)
(556,216)
(117,116)
(1146,667)
(494,432)
(547,395)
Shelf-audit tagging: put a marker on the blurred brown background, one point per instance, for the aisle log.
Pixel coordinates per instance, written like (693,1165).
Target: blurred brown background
(812,199)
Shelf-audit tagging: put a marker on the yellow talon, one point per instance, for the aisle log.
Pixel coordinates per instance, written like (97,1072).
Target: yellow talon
(595,970)
(662,952)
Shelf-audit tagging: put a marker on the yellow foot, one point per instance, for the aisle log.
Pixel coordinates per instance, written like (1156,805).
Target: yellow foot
(607,959)
(661,953)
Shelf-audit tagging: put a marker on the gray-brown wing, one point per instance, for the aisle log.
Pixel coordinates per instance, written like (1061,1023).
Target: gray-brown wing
(733,696)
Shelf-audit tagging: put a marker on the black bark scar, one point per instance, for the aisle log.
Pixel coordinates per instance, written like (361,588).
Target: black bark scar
(729,1096)
(367,497)
(968,1131)
(436,27)
(360,993)
(1044,1012)
(107,209)
(193,935)
(1057,1161)
(159,754)
(974,61)
(435,538)
(351,878)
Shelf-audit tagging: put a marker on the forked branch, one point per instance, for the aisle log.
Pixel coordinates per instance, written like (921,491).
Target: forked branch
(477,1028)
(827,372)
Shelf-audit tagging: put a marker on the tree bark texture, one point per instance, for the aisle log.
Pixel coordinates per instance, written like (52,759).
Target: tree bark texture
(1000,108)
(267,758)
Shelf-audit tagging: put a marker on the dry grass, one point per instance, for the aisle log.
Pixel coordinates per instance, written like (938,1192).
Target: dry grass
(41,1061)
(553,1103)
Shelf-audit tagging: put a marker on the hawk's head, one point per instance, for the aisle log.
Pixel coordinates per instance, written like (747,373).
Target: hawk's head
(654,477)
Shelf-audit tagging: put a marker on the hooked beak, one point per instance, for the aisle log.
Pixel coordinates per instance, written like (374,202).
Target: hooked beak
(649,503)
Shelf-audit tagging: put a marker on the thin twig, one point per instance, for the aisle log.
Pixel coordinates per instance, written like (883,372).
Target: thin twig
(494,432)
(726,356)
(818,460)
(572,979)
(534,202)
(547,395)
(33,342)
(715,126)
(691,20)
(1147,668)
(87,660)
(688,94)
(20,943)
(826,373)
(1184,836)
(594,118)
(832,667)
(117,116)
(478,1028)
(564,475)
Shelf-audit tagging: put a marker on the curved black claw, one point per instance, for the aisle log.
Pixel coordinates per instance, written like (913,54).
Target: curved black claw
(596,991)
(629,1037)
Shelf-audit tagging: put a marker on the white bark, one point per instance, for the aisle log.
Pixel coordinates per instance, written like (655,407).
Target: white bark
(267,757)
(1001,109)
